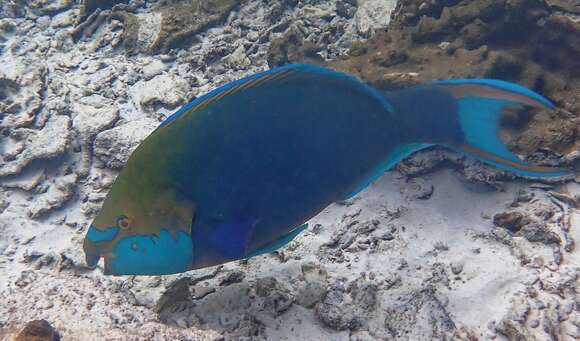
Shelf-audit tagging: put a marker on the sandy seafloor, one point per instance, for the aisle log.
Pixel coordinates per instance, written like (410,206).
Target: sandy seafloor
(416,256)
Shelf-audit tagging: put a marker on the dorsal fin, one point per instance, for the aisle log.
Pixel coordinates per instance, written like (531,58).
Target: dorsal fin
(228,89)
(268,78)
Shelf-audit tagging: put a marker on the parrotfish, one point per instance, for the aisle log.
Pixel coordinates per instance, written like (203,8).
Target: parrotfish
(239,171)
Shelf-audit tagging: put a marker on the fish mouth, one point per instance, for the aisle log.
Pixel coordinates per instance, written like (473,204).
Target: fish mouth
(96,242)
(92,260)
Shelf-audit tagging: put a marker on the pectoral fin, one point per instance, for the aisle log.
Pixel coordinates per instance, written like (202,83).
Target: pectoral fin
(231,239)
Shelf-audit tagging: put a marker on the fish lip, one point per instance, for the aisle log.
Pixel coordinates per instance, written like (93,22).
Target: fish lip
(97,244)
(92,260)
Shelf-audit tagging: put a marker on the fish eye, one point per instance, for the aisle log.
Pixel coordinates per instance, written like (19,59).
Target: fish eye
(123,222)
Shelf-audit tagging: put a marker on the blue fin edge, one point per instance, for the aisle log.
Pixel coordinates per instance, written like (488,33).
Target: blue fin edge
(299,67)
(397,155)
(278,243)
(502,85)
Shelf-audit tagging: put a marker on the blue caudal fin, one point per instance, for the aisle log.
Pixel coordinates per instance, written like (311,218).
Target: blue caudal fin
(480,103)
(278,243)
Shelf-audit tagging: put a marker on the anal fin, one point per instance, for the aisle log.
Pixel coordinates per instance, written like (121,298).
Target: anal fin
(395,156)
(278,243)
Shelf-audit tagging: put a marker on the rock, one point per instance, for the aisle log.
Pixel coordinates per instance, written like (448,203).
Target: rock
(277,301)
(21,92)
(248,328)
(178,291)
(164,90)
(417,188)
(540,233)
(3,205)
(199,292)
(388,236)
(340,311)
(175,306)
(512,221)
(12,9)
(60,192)
(310,294)
(440,246)
(264,286)
(184,18)
(292,47)
(37,330)
(114,146)
(456,268)
(373,14)
(336,317)
(346,9)
(49,142)
(475,34)
(364,295)
(571,6)
(49,7)
(26,278)
(64,19)
(513,330)
(553,131)
(154,68)
(238,59)
(233,277)
(88,7)
(27,180)
(94,114)
(415,308)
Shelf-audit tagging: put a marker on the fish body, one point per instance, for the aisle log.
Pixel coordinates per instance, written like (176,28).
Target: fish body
(238,172)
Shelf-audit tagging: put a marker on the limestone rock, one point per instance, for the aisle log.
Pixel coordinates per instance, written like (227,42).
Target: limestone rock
(49,7)
(292,48)
(373,14)
(184,18)
(571,6)
(164,90)
(114,146)
(21,92)
(89,6)
(27,180)
(512,221)
(37,330)
(59,192)
(93,115)
(50,141)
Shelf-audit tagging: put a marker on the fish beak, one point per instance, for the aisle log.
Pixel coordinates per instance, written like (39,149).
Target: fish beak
(92,260)
(97,242)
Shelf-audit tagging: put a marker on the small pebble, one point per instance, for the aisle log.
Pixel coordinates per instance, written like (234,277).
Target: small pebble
(456,268)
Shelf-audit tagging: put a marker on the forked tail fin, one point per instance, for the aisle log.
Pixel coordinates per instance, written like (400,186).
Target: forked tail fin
(480,103)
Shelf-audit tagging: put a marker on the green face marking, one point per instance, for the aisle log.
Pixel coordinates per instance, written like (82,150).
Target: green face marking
(142,203)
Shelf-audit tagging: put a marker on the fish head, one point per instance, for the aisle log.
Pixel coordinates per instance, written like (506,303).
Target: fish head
(141,233)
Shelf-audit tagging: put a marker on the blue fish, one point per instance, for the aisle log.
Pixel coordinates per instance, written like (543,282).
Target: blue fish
(239,171)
